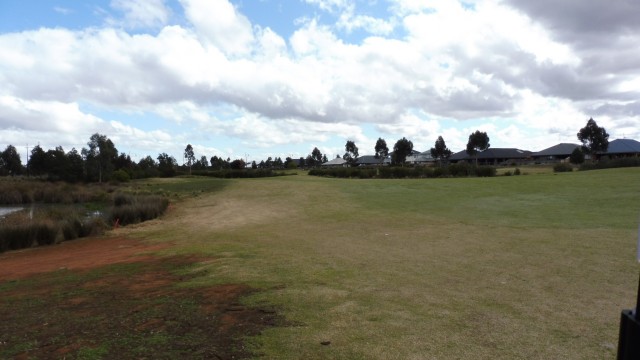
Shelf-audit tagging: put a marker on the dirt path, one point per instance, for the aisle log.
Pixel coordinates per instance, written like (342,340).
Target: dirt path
(110,298)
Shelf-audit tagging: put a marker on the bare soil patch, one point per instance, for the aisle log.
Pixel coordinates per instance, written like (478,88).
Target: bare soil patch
(105,298)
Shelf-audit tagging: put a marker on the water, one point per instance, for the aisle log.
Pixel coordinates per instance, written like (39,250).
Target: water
(6,210)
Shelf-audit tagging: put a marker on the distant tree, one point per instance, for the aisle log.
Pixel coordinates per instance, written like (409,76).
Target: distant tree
(324,158)
(37,164)
(123,162)
(254,165)
(381,150)
(147,167)
(167,165)
(577,156)
(594,138)
(57,163)
(478,141)
(99,158)
(203,163)
(75,172)
(301,162)
(10,163)
(351,152)
(401,150)
(237,164)
(316,157)
(440,152)
(189,156)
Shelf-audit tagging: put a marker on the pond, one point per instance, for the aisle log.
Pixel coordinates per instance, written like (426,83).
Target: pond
(6,210)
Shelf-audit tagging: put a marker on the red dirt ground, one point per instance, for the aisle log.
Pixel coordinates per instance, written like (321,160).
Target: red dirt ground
(53,306)
(78,254)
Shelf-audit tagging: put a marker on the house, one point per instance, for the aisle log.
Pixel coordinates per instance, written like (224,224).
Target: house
(621,148)
(337,162)
(420,158)
(554,154)
(371,160)
(494,156)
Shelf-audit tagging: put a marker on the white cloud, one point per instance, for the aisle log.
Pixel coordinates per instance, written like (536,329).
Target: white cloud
(141,13)
(220,24)
(489,63)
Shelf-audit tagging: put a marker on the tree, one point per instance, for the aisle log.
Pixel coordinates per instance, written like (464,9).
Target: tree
(10,163)
(237,164)
(315,158)
(99,157)
(57,163)
(351,152)
(167,165)
(37,164)
(594,138)
(75,171)
(381,149)
(478,141)
(190,156)
(147,167)
(401,150)
(440,152)
(577,156)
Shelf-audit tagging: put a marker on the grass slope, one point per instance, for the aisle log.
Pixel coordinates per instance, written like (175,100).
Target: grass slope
(526,267)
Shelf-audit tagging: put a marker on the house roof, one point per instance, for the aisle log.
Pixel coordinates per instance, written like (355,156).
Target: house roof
(370,159)
(557,150)
(336,161)
(623,146)
(493,153)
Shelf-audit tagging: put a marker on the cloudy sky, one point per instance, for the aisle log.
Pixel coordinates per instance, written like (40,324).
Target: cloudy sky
(257,78)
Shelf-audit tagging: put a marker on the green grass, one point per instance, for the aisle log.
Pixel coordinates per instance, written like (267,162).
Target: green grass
(519,267)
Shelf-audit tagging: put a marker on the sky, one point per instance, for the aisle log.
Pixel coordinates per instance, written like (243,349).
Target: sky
(257,78)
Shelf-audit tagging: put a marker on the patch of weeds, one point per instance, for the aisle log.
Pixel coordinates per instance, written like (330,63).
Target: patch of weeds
(91,353)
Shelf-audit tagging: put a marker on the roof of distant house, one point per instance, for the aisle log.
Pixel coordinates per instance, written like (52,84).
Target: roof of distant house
(623,146)
(370,159)
(557,150)
(336,161)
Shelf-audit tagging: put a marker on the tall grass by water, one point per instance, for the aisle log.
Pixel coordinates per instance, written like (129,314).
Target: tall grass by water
(17,192)
(46,226)
(57,212)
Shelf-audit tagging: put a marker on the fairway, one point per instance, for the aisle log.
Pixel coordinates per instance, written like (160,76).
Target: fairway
(520,267)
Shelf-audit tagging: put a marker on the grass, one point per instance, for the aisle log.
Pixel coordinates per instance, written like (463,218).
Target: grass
(510,267)
(526,267)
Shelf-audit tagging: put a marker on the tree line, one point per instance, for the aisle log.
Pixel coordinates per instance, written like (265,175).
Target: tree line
(100,160)
(594,140)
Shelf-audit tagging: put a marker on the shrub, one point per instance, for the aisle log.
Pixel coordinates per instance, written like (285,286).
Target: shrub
(507,173)
(517,171)
(485,171)
(120,176)
(130,209)
(562,167)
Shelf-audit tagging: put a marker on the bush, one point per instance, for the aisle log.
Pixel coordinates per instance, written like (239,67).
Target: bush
(609,164)
(562,167)
(120,176)
(132,209)
(517,171)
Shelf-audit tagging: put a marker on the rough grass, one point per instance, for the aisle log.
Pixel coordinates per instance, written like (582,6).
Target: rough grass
(519,267)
